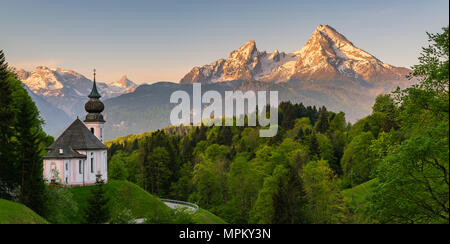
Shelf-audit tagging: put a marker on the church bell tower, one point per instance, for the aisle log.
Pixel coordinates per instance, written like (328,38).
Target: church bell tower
(94,119)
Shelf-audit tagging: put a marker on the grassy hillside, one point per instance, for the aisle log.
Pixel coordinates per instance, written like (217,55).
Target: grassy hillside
(122,195)
(203,216)
(357,199)
(126,195)
(16,213)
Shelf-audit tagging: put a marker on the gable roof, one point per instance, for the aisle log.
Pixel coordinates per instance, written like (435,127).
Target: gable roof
(76,137)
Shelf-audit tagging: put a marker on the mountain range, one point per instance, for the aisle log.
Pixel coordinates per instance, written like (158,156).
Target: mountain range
(328,70)
(328,55)
(60,94)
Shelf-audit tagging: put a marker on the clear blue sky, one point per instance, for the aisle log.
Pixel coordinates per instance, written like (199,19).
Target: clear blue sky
(162,40)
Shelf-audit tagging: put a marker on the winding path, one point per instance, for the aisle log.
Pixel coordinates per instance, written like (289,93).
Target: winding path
(175,204)
(178,206)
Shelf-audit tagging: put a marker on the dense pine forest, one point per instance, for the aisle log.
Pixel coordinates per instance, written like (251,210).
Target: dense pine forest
(312,170)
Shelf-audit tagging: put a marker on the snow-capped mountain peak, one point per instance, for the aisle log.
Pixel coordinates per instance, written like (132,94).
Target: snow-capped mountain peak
(245,63)
(326,41)
(245,53)
(124,82)
(43,78)
(327,55)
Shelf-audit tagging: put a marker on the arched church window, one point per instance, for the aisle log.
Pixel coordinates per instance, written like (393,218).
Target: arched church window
(92,130)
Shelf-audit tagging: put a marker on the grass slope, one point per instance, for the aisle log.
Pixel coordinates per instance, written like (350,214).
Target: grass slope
(16,213)
(203,216)
(122,195)
(357,199)
(126,195)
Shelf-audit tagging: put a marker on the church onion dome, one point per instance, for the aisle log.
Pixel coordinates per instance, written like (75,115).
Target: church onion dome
(94,106)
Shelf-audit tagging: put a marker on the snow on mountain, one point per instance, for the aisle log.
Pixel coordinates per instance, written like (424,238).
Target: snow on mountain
(124,83)
(67,89)
(328,55)
(246,63)
(22,74)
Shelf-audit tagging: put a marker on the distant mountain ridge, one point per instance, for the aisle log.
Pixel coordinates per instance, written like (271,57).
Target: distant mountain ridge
(328,55)
(57,90)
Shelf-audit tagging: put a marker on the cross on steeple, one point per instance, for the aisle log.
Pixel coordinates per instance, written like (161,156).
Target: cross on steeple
(94,93)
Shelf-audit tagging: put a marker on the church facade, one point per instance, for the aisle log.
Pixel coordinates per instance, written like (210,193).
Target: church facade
(79,155)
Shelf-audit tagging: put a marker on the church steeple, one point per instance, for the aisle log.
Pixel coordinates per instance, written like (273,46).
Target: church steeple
(94,119)
(94,93)
(94,106)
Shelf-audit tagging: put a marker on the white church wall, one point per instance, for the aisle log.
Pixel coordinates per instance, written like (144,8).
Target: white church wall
(97,127)
(87,175)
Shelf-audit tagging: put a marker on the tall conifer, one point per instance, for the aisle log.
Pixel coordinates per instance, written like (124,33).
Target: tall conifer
(6,132)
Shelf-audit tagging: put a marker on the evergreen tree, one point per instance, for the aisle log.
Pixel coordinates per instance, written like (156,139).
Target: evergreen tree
(323,124)
(158,172)
(314,145)
(7,172)
(31,141)
(98,211)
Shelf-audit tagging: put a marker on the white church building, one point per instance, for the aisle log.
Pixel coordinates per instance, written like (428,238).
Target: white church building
(79,155)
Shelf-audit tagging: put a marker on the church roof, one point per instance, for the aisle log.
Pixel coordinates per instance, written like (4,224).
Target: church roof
(76,137)
(67,152)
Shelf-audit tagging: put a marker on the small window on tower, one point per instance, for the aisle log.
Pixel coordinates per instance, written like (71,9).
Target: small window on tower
(92,130)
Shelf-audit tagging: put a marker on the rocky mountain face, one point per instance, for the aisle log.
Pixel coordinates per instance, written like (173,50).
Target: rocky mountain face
(327,56)
(67,90)
(246,63)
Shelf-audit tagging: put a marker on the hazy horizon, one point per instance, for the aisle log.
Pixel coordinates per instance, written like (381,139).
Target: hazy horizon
(152,41)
